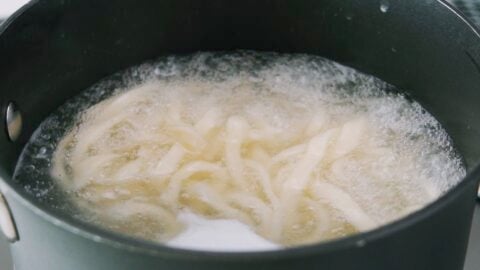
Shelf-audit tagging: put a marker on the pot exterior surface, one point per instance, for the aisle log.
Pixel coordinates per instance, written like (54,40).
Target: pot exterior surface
(435,243)
(54,49)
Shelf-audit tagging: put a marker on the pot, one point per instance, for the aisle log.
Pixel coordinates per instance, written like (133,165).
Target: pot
(52,50)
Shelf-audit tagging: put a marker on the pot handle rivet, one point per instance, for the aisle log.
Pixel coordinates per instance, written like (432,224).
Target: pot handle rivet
(7,225)
(13,121)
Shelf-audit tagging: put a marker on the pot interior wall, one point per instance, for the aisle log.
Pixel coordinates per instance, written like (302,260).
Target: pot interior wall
(57,48)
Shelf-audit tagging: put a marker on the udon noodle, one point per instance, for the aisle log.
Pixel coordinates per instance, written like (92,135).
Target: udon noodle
(299,149)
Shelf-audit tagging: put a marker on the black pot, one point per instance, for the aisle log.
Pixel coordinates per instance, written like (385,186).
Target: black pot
(52,50)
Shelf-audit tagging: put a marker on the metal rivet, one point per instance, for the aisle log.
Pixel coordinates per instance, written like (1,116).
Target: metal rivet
(7,225)
(13,121)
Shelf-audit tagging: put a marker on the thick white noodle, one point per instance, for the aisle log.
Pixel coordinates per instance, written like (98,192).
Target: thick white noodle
(236,130)
(169,162)
(349,138)
(340,200)
(316,149)
(174,187)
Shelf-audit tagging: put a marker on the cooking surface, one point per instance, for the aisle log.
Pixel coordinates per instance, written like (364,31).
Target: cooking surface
(470,7)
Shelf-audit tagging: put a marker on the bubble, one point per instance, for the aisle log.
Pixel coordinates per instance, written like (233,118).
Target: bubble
(46,136)
(384,6)
(361,243)
(163,72)
(42,152)
(30,168)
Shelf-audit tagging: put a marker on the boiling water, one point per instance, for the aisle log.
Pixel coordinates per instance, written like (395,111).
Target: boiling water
(241,151)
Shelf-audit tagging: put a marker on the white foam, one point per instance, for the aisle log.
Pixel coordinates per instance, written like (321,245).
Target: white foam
(7,7)
(218,235)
